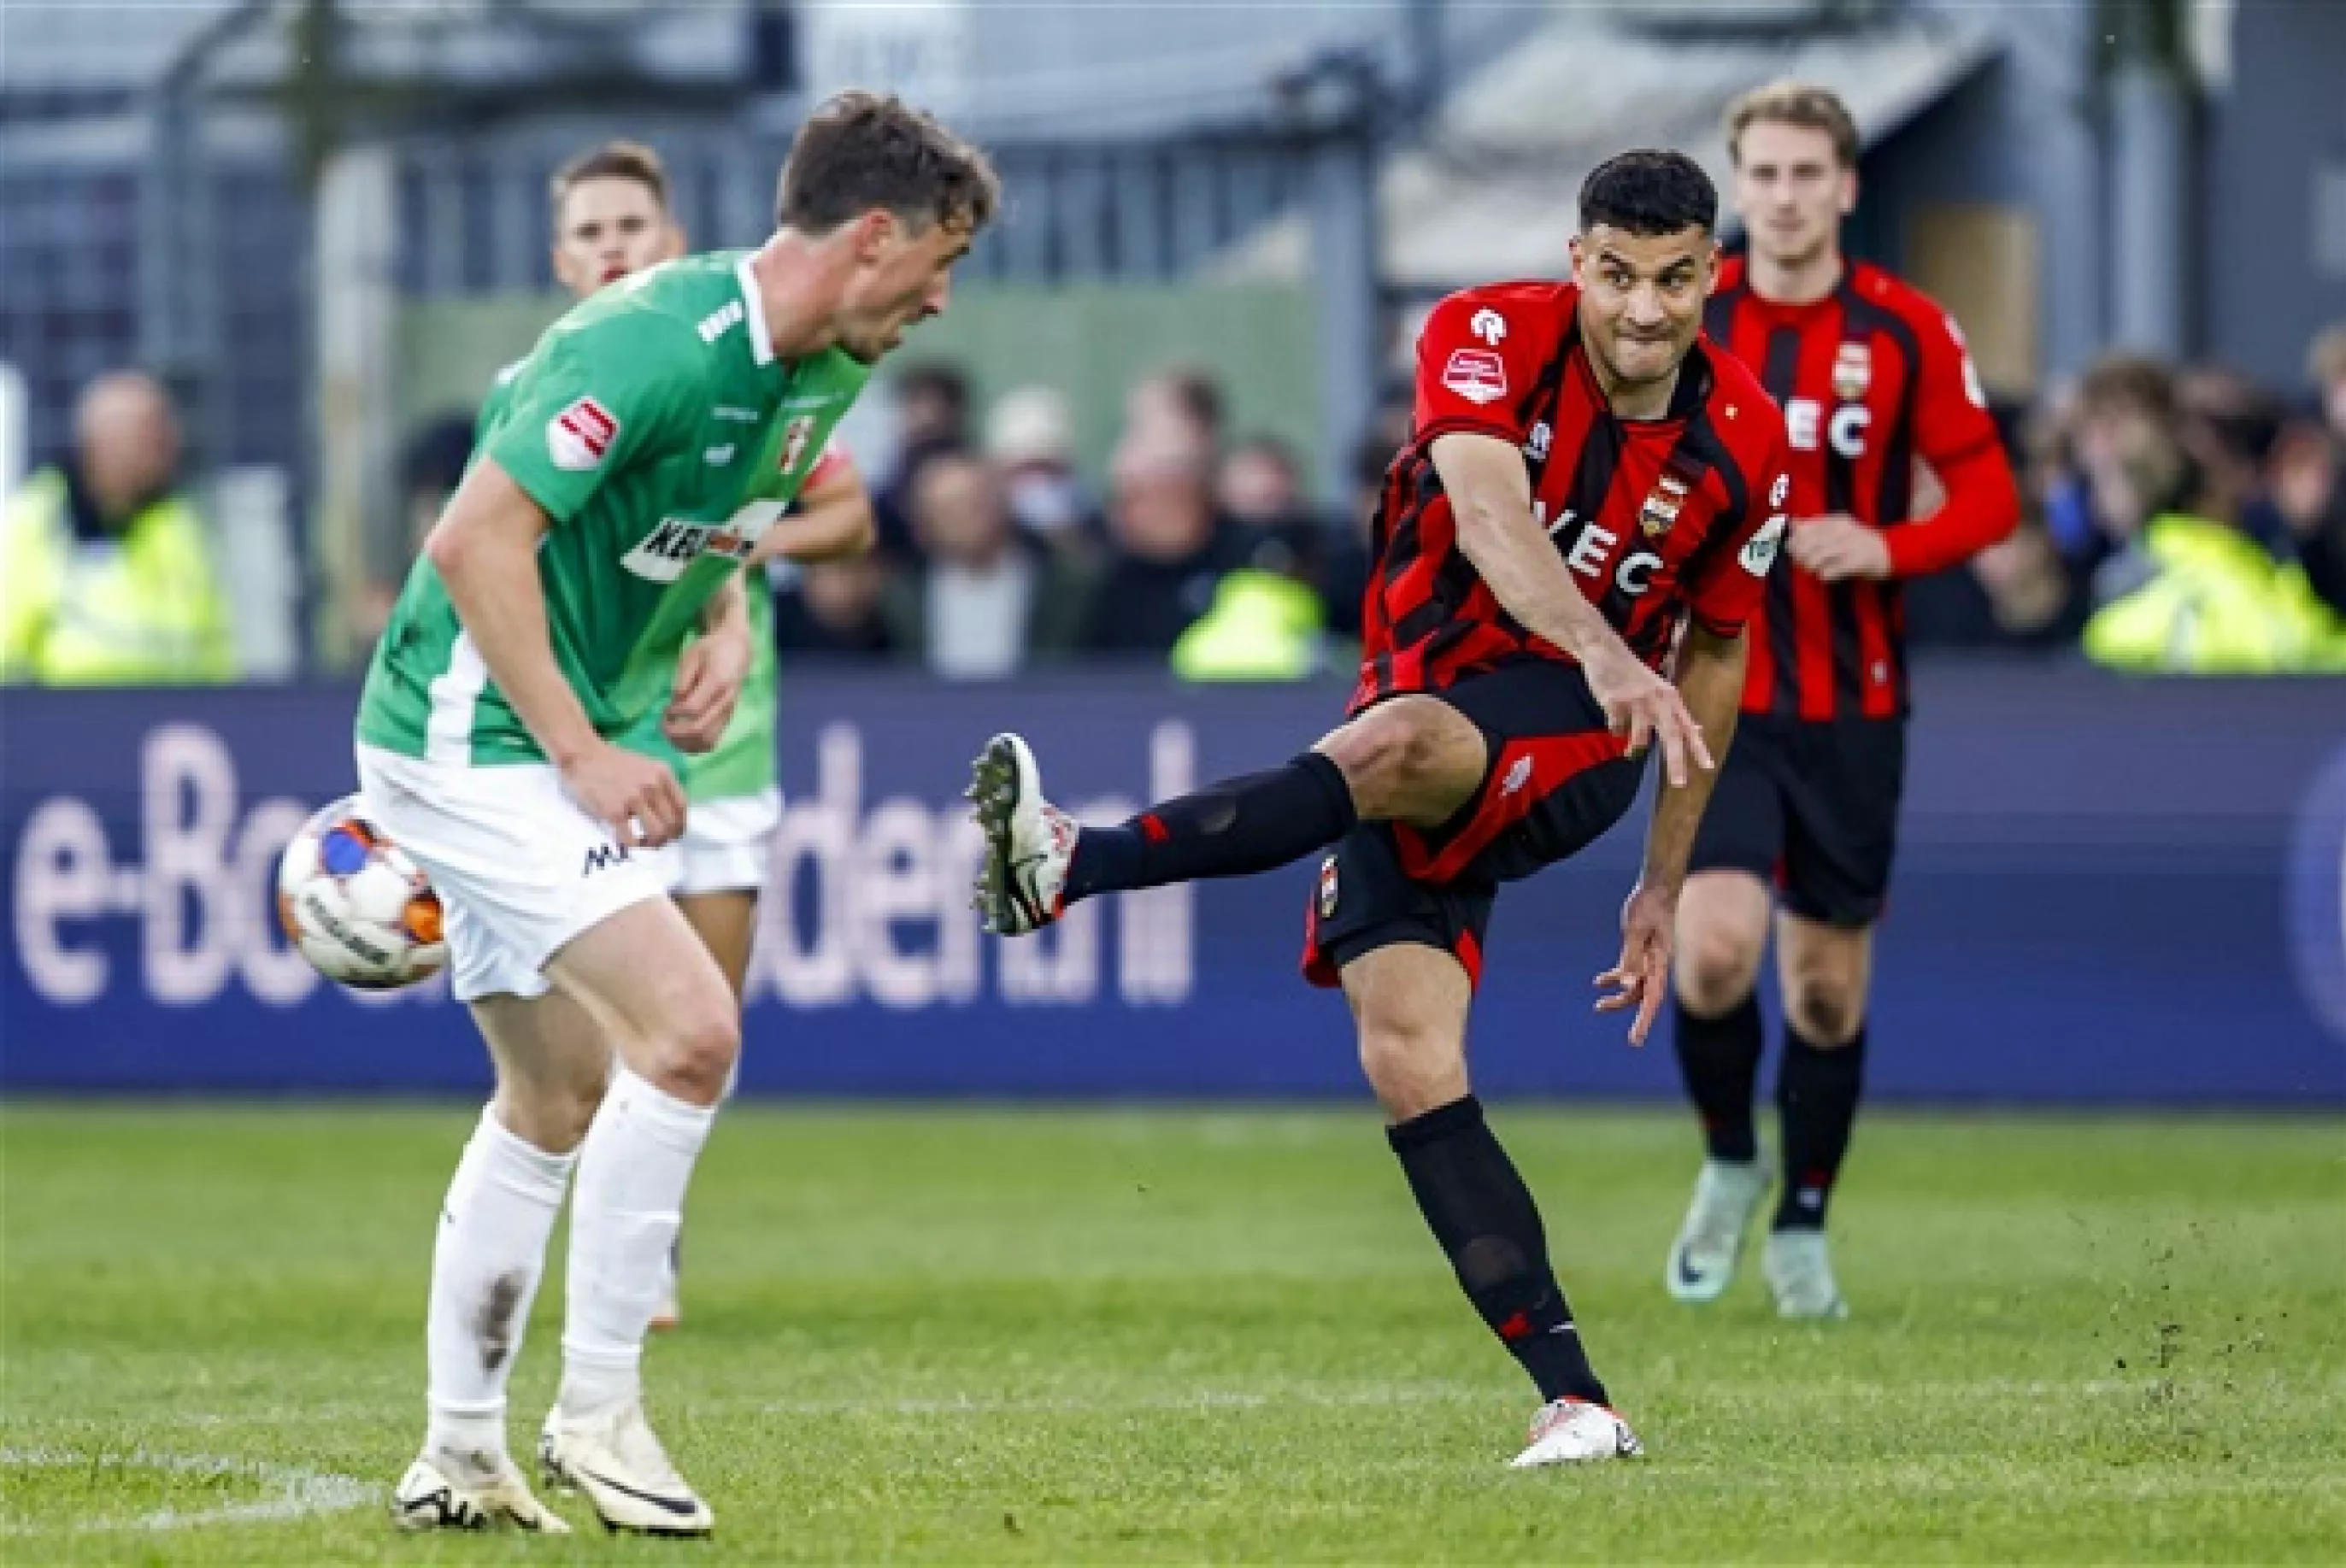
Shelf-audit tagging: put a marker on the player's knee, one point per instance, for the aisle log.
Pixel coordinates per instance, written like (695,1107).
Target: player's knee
(1825,1010)
(1391,756)
(1717,965)
(697,1056)
(1413,1067)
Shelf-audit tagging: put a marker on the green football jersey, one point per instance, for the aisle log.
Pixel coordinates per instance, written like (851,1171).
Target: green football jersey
(662,437)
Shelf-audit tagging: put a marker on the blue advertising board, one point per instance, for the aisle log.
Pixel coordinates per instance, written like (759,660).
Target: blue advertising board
(2109,892)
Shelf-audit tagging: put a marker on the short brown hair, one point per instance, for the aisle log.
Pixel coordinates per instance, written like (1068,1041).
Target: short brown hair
(612,161)
(860,150)
(1791,103)
(2124,383)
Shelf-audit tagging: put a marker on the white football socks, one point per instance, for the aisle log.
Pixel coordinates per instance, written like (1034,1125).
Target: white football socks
(633,1170)
(485,1267)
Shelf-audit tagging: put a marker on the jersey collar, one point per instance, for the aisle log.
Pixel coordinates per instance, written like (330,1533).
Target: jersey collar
(761,341)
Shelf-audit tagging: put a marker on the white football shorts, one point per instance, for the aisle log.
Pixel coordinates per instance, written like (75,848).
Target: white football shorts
(519,869)
(728,846)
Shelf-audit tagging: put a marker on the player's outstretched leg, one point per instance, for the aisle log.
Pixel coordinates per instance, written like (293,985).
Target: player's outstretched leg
(551,1064)
(1410,759)
(674,1027)
(1411,1002)
(1723,935)
(1825,973)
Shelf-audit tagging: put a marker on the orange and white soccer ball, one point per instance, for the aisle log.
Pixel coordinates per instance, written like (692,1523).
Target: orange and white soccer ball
(359,909)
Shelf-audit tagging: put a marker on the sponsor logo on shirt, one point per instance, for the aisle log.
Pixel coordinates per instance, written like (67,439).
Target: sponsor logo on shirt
(737,415)
(581,436)
(663,553)
(1475,374)
(718,456)
(1490,326)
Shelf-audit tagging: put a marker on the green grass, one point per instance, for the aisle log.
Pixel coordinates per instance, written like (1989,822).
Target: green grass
(977,1336)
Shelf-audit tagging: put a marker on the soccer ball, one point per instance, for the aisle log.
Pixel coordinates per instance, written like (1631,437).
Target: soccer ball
(361,911)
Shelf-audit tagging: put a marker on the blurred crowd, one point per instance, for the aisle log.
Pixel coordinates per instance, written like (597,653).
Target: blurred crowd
(2175,519)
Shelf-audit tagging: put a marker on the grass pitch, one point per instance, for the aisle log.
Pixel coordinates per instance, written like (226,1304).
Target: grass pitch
(979,1335)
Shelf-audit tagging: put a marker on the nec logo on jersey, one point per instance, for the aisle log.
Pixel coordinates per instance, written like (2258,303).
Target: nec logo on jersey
(727,316)
(1475,374)
(1805,422)
(581,436)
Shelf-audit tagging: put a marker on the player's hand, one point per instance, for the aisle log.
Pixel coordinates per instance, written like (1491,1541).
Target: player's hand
(709,680)
(636,796)
(1643,708)
(1642,978)
(1837,546)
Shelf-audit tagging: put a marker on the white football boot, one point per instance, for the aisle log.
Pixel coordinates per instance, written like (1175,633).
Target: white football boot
(1028,841)
(619,1465)
(1703,1259)
(1570,1431)
(1799,1267)
(443,1491)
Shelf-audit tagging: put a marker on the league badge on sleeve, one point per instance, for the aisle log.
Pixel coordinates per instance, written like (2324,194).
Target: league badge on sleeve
(581,436)
(1475,374)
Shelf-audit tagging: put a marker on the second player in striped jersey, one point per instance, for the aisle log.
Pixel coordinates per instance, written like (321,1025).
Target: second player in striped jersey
(1873,379)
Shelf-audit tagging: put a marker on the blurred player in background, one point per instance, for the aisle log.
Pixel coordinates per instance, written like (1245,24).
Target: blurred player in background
(612,219)
(1588,496)
(1873,376)
(582,588)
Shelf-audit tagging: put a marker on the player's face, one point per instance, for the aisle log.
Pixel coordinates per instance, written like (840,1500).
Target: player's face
(1791,192)
(1641,297)
(902,275)
(607,228)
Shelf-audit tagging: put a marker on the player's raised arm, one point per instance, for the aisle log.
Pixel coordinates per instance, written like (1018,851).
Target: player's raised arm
(1490,495)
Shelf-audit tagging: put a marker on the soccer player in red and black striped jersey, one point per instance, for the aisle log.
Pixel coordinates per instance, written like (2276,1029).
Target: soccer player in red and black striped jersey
(1590,497)
(1872,377)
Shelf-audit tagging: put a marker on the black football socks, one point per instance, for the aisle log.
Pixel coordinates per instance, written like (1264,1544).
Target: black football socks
(1232,828)
(1719,1060)
(1817,1092)
(1483,1216)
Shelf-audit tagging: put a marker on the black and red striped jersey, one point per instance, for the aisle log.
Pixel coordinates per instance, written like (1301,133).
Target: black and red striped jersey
(1656,519)
(1870,378)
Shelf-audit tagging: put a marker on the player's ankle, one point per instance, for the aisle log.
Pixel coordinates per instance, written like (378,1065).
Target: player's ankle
(594,1384)
(470,1437)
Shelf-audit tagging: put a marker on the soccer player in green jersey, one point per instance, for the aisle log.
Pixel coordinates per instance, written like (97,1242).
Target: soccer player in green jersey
(611,220)
(583,584)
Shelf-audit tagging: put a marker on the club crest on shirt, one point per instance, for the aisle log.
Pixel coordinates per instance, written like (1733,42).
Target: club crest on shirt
(1852,371)
(1659,514)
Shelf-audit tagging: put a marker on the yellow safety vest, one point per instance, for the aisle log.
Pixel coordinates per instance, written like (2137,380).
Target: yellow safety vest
(144,608)
(2216,604)
(1262,627)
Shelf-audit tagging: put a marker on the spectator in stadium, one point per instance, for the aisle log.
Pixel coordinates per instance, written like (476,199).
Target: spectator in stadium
(832,609)
(983,600)
(1262,488)
(932,407)
(2188,591)
(106,575)
(2309,474)
(2018,592)
(1185,399)
(1168,547)
(1031,439)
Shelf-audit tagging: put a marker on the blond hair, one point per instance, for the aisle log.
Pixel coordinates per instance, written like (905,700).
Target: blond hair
(1790,103)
